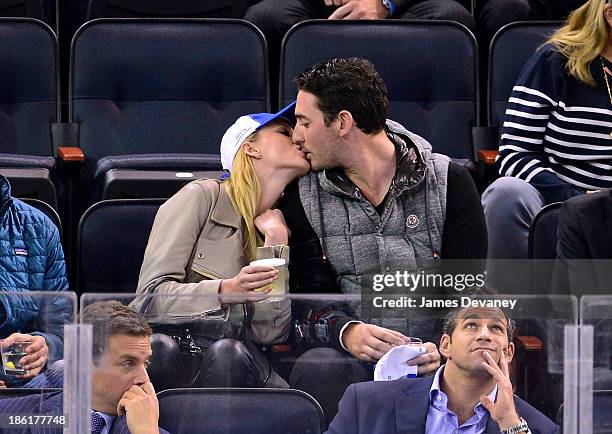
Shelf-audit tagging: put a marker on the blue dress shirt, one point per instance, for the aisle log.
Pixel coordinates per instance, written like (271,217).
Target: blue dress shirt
(440,420)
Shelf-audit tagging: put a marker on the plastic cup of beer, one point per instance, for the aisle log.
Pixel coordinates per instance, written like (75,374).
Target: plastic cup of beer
(11,357)
(279,286)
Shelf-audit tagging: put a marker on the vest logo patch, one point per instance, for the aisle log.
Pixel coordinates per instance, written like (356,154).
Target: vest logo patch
(21,252)
(412,221)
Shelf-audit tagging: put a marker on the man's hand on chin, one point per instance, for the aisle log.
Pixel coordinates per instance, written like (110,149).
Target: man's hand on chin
(141,409)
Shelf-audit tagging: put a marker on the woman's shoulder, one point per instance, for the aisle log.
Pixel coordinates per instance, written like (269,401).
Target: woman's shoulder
(207,187)
(549,54)
(196,193)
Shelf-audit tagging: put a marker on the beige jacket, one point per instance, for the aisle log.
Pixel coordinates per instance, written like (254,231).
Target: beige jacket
(196,241)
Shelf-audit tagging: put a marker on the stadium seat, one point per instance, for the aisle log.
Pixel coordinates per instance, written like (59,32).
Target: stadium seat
(166,8)
(28,106)
(542,245)
(46,209)
(112,237)
(225,410)
(430,68)
(23,8)
(152,99)
(510,49)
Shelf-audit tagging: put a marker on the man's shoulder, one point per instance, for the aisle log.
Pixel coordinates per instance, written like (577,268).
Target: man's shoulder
(375,391)
(588,204)
(538,422)
(35,403)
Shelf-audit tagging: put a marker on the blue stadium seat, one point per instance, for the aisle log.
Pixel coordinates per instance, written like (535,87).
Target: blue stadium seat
(511,47)
(154,97)
(430,68)
(28,106)
(238,410)
(111,241)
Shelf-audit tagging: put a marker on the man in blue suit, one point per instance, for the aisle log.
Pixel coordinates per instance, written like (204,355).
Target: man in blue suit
(470,394)
(123,399)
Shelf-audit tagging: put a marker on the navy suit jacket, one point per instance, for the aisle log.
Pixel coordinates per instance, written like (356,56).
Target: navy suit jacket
(47,404)
(400,407)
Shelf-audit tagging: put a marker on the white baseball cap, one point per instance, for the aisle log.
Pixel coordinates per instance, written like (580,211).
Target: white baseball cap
(244,127)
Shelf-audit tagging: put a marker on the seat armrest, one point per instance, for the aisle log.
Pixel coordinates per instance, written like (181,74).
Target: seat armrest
(70,154)
(530,343)
(281,348)
(487,157)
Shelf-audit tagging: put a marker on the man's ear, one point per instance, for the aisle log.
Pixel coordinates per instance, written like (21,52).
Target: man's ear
(445,346)
(251,149)
(345,122)
(509,352)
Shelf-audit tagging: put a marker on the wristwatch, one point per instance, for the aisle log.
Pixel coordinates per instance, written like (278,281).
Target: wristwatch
(521,427)
(385,4)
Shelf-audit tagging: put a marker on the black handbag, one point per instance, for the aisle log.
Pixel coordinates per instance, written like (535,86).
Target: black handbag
(194,337)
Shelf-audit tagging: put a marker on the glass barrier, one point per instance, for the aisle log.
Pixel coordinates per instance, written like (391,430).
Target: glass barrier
(595,392)
(33,349)
(282,363)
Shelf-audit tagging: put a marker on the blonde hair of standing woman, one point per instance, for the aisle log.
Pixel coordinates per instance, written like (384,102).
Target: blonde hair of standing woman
(582,39)
(244,191)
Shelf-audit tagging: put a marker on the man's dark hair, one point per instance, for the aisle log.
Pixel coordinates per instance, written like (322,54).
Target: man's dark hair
(348,84)
(452,317)
(110,318)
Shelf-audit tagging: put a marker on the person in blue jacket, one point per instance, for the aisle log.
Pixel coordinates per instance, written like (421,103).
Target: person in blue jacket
(31,259)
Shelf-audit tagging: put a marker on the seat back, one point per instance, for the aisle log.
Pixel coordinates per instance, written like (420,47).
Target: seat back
(542,244)
(430,69)
(510,49)
(112,237)
(46,209)
(159,87)
(224,410)
(166,8)
(28,87)
(22,8)
(543,233)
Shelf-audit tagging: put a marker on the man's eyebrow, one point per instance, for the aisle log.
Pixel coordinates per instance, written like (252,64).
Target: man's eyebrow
(297,116)
(133,358)
(500,319)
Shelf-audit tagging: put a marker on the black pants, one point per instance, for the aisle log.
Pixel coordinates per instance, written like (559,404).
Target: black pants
(494,14)
(226,363)
(325,373)
(275,17)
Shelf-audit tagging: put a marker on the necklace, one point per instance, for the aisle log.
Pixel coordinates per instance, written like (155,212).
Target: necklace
(606,72)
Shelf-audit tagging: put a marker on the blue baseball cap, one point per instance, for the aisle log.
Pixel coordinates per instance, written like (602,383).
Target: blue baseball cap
(246,125)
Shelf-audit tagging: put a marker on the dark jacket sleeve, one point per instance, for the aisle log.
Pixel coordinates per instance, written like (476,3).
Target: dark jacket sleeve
(465,229)
(309,271)
(575,267)
(346,418)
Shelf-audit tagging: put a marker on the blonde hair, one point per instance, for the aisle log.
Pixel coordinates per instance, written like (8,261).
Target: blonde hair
(582,39)
(244,190)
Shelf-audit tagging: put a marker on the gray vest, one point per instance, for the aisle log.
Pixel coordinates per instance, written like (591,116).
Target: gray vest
(360,243)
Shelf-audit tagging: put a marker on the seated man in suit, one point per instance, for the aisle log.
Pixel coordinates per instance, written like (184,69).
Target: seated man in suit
(123,399)
(471,393)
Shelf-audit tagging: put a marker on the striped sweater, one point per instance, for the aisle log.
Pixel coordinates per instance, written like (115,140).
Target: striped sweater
(556,134)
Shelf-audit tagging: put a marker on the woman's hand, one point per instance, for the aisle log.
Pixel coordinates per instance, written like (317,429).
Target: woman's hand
(271,224)
(242,287)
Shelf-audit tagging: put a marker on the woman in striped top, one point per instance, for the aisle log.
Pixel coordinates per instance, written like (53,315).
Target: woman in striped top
(556,140)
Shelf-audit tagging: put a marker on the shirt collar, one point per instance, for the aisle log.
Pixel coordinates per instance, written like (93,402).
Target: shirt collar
(108,418)
(436,392)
